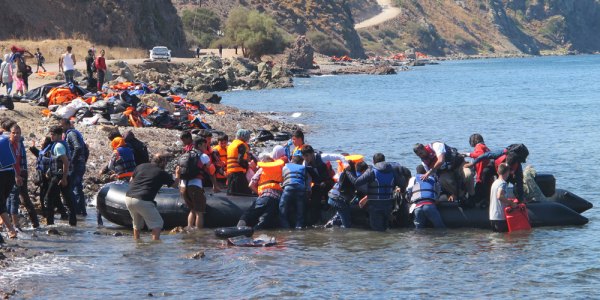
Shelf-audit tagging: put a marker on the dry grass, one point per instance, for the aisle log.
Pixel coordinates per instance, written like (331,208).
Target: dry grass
(52,49)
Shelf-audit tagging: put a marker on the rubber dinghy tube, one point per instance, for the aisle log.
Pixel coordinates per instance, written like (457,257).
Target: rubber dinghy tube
(229,232)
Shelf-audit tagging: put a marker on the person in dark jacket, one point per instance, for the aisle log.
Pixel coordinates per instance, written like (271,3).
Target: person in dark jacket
(145,183)
(90,67)
(322,177)
(380,182)
(58,178)
(78,156)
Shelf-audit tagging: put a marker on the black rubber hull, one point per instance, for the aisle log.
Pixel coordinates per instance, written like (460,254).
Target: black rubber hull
(224,210)
(221,210)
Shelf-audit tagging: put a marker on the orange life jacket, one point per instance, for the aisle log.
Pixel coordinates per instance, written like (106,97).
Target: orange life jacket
(271,177)
(232,156)
(59,96)
(223,159)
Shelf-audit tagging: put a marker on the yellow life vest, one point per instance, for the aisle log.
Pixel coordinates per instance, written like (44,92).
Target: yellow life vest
(271,177)
(232,156)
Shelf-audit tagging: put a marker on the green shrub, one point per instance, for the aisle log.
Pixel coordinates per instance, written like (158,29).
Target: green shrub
(256,33)
(325,45)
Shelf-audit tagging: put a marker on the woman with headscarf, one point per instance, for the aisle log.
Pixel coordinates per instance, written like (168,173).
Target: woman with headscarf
(6,73)
(239,161)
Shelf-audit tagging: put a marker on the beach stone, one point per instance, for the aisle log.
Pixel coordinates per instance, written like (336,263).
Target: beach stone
(218,84)
(53,231)
(242,66)
(301,54)
(197,255)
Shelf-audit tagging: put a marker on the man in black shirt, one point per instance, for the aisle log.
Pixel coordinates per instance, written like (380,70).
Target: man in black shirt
(145,183)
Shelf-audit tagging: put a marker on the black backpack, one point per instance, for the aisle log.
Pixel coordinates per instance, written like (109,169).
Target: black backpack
(188,165)
(140,151)
(520,151)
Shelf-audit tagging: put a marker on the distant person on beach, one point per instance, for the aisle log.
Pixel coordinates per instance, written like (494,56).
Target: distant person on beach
(239,161)
(67,63)
(198,52)
(6,72)
(235,48)
(499,200)
(78,154)
(40,60)
(380,181)
(145,183)
(101,69)
(90,66)
(220,50)
(20,84)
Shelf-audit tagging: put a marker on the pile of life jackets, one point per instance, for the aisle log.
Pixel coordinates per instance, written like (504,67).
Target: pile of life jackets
(345,58)
(398,56)
(121,106)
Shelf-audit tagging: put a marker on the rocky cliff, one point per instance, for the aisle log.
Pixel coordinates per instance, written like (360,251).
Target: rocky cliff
(489,27)
(136,24)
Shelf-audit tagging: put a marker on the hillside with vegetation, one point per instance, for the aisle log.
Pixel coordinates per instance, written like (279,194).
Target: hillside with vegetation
(489,27)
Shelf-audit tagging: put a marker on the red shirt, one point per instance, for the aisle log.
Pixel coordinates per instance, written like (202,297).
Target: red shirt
(479,150)
(100,63)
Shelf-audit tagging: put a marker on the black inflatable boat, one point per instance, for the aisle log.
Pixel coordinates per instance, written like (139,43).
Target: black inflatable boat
(562,208)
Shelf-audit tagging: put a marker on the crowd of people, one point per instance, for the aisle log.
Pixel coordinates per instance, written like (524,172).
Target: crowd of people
(292,183)
(15,70)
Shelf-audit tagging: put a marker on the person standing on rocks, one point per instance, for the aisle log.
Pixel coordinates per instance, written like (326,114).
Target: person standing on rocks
(67,63)
(78,154)
(101,69)
(40,60)
(238,163)
(90,67)
(198,52)
(145,183)
(58,176)
(20,192)
(220,50)
(8,178)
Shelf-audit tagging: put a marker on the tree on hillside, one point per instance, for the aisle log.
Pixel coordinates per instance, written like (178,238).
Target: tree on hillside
(254,32)
(202,24)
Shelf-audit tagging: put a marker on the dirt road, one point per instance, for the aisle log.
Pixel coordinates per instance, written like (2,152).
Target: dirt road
(389,12)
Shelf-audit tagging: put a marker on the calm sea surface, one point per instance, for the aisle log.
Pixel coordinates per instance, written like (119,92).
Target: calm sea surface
(552,104)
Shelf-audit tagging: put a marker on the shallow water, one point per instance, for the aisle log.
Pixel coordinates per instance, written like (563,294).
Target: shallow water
(550,104)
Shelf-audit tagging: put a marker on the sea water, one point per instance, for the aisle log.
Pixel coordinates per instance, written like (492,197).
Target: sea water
(552,104)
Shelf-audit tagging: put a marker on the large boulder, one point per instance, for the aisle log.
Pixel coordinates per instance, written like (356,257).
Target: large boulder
(301,54)
(211,62)
(204,97)
(242,66)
